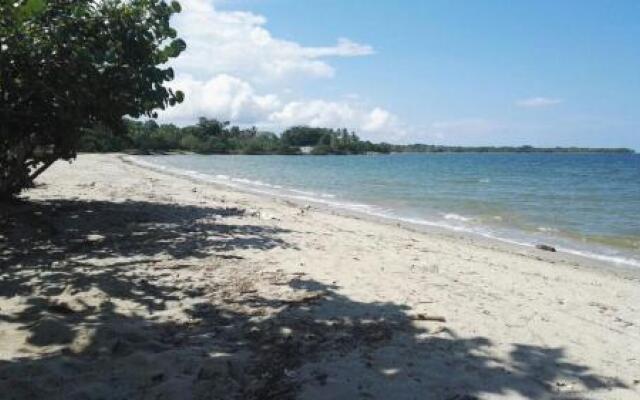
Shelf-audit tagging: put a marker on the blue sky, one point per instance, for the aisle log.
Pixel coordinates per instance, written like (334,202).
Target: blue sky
(450,72)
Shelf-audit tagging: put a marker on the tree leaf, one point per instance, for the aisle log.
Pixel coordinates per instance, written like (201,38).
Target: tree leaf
(33,7)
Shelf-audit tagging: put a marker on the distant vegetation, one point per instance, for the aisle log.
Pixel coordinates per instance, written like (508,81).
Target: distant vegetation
(429,148)
(210,136)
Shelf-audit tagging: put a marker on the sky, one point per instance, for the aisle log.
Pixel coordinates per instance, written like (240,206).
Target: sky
(542,73)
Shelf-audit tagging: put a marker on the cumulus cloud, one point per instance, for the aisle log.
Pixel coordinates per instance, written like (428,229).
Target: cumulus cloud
(375,123)
(230,98)
(234,69)
(538,102)
(237,42)
(224,97)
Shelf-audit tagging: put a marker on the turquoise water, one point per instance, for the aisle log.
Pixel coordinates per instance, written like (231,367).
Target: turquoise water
(581,203)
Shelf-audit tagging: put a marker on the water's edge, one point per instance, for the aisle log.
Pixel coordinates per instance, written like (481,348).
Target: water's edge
(365,210)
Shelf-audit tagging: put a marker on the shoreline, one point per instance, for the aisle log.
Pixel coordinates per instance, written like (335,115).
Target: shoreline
(590,260)
(121,281)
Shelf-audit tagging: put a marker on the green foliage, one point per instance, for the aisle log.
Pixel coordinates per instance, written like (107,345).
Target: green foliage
(321,150)
(304,136)
(101,140)
(326,141)
(67,66)
(211,136)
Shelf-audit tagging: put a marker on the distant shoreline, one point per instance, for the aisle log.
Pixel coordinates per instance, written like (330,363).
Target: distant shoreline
(210,136)
(538,151)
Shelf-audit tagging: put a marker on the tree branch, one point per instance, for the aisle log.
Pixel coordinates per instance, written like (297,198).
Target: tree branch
(42,168)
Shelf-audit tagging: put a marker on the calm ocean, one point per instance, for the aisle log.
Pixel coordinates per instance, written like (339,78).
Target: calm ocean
(581,203)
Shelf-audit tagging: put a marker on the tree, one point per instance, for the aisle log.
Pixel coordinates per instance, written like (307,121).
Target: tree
(70,65)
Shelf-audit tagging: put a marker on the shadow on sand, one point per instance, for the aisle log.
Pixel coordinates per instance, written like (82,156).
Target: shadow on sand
(123,301)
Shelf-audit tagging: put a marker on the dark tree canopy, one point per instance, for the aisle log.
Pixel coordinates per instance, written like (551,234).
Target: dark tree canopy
(71,65)
(213,136)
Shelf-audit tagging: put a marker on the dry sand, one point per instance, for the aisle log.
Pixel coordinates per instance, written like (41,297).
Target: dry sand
(119,282)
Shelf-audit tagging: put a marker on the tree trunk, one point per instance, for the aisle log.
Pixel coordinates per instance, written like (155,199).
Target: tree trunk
(17,171)
(9,187)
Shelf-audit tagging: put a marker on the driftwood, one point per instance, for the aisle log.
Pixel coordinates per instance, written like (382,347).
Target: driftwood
(424,317)
(546,247)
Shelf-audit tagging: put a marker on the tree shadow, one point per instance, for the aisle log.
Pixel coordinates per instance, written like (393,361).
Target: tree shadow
(36,233)
(90,324)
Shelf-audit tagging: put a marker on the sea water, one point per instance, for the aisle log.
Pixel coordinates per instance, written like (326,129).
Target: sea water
(586,204)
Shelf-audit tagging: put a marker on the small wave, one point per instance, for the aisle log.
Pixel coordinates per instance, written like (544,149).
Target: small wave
(329,200)
(254,186)
(313,194)
(603,257)
(456,217)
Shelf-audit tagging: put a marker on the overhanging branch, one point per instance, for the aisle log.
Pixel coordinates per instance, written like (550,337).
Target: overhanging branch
(41,169)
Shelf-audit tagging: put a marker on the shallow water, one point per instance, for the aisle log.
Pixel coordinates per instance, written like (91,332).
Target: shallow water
(581,203)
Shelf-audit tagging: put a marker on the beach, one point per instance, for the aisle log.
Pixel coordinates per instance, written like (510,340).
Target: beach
(120,281)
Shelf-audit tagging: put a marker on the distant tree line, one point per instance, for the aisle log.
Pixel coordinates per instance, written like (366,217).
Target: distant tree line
(430,148)
(211,136)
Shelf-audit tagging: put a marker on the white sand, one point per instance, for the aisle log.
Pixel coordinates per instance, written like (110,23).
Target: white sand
(122,282)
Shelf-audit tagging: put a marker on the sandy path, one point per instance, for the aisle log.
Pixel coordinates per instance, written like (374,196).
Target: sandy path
(122,282)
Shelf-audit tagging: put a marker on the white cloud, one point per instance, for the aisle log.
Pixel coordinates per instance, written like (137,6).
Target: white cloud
(234,69)
(224,97)
(238,43)
(376,123)
(230,98)
(537,102)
